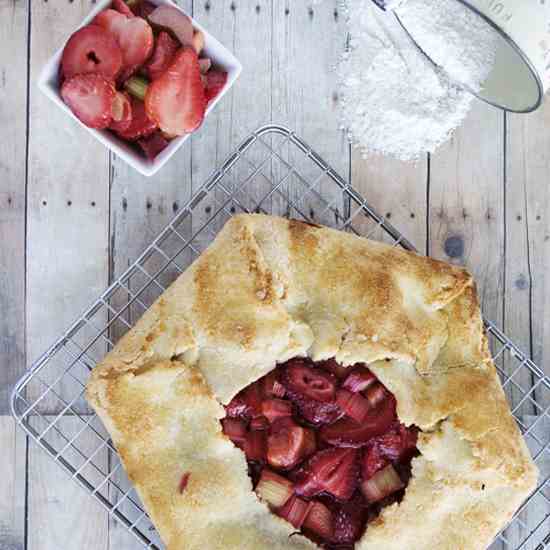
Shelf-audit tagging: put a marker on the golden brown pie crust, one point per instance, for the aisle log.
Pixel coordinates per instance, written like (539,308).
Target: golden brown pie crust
(267,290)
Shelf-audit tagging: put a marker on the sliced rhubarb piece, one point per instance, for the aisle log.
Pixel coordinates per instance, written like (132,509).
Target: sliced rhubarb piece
(286,446)
(247,403)
(235,429)
(176,100)
(271,386)
(137,87)
(348,433)
(122,7)
(348,523)
(165,49)
(91,98)
(205,63)
(333,471)
(91,50)
(332,366)
(373,461)
(215,82)
(319,520)
(274,409)
(354,405)
(141,126)
(153,145)
(382,484)
(169,17)
(259,423)
(308,381)
(359,379)
(184,481)
(376,394)
(398,444)
(198,41)
(255,446)
(310,443)
(274,489)
(294,511)
(134,36)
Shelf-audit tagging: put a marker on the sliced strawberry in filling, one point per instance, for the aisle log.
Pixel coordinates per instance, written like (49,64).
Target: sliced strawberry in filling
(349,522)
(333,471)
(91,98)
(165,49)
(353,405)
(235,429)
(332,366)
(255,446)
(259,423)
(176,100)
(133,34)
(91,49)
(312,383)
(169,17)
(274,409)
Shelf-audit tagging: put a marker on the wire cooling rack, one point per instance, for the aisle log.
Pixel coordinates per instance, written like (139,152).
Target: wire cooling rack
(272,171)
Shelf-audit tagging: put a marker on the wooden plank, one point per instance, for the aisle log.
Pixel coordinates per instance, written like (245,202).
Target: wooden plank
(68,207)
(528,234)
(308,40)
(467,204)
(60,513)
(13,461)
(13,93)
(396,190)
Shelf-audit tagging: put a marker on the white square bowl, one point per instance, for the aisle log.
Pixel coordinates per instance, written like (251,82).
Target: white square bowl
(221,57)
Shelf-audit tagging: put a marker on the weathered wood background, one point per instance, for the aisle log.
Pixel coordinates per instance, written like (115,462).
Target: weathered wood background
(72,216)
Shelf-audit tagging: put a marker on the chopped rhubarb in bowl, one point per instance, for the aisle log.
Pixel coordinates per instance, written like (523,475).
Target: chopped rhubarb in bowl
(127,46)
(325,448)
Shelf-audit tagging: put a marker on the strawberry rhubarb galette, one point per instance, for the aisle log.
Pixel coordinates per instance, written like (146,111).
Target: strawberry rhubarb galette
(140,71)
(299,387)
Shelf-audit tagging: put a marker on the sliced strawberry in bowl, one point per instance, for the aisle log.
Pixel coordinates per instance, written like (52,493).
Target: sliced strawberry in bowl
(176,100)
(348,433)
(309,382)
(143,8)
(198,41)
(153,145)
(165,49)
(334,471)
(141,125)
(122,7)
(287,445)
(91,98)
(91,49)
(133,34)
(169,17)
(215,82)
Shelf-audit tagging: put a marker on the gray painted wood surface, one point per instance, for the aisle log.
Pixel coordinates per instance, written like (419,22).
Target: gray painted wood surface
(72,216)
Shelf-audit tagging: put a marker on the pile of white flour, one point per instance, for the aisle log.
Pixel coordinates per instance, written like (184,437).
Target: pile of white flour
(394,100)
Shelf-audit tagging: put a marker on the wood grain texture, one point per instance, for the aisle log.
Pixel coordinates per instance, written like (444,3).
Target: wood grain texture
(68,208)
(528,233)
(13,121)
(466,205)
(61,515)
(13,462)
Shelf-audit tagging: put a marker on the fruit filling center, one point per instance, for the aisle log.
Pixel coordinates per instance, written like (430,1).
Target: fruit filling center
(324,446)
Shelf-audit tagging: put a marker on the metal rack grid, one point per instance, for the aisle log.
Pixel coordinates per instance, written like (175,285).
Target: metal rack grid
(272,171)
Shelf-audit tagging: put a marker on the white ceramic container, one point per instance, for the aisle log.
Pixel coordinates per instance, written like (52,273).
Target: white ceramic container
(220,55)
